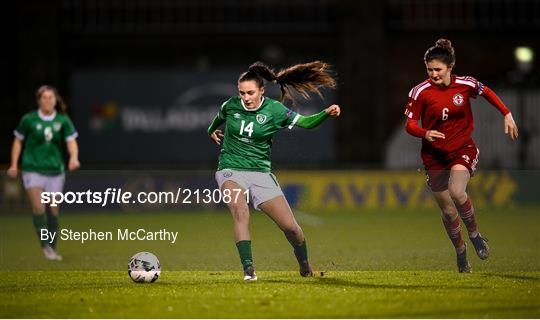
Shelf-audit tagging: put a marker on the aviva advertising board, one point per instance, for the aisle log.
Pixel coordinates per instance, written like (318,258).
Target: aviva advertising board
(349,190)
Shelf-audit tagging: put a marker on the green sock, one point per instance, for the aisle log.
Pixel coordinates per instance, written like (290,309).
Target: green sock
(40,222)
(244,249)
(52,226)
(300,251)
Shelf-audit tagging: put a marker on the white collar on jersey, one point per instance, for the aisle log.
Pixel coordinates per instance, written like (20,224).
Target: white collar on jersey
(45,117)
(243,105)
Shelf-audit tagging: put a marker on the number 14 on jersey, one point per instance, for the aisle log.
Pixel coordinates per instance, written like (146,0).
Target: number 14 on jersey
(247,128)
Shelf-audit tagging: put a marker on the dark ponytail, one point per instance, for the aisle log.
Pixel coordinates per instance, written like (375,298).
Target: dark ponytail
(60,104)
(304,78)
(443,51)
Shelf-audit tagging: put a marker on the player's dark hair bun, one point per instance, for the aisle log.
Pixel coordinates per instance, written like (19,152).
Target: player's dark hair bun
(443,51)
(445,44)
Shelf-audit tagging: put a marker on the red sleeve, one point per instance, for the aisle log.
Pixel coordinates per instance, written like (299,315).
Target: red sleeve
(413,110)
(492,98)
(414,129)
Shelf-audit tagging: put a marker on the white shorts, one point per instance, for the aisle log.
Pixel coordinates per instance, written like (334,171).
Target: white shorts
(45,182)
(262,186)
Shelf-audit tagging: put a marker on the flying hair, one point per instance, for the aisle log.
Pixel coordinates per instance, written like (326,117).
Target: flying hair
(303,78)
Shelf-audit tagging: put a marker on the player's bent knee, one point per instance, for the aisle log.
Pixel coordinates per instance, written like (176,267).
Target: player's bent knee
(292,230)
(457,194)
(240,213)
(237,205)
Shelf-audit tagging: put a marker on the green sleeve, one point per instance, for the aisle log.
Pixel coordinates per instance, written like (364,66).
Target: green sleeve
(215,124)
(223,110)
(283,116)
(68,129)
(219,119)
(22,129)
(312,121)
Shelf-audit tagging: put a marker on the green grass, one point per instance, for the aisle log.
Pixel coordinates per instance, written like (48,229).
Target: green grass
(338,294)
(377,264)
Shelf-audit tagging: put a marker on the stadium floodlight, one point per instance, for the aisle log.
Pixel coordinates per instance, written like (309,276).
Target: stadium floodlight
(524,54)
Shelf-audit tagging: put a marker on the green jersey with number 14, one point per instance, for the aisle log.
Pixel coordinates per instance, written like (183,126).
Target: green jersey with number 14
(249,132)
(43,136)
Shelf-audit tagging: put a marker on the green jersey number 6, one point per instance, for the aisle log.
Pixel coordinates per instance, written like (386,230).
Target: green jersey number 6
(47,132)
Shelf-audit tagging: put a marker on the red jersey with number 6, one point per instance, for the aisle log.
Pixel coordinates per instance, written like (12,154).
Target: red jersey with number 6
(445,109)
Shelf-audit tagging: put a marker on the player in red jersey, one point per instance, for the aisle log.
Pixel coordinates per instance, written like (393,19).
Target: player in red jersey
(449,154)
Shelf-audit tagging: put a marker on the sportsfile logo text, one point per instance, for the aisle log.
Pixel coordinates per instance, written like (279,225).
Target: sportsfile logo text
(118,196)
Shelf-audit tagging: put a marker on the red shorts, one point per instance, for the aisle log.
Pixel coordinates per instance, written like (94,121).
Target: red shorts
(438,164)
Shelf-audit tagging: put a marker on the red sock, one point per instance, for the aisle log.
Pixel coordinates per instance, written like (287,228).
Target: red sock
(466,212)
(453,229)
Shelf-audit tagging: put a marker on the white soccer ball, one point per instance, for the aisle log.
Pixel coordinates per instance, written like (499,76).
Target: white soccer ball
(144,267)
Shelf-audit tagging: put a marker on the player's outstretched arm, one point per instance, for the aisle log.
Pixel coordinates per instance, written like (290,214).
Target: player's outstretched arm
(310,122)
(510,127)
(333,110)
(73,151)
(15,153)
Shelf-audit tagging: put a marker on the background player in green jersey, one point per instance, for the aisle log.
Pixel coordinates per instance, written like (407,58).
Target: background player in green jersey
(251,120)
(43,132)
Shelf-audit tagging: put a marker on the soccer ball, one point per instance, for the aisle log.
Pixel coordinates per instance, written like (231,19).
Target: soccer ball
(144,267)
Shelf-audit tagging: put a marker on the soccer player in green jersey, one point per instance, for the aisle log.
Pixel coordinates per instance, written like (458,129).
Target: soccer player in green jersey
(251,120)
(43,131)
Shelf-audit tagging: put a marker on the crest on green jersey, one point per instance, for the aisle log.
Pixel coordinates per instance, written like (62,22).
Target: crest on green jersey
(57,126)
(261,118)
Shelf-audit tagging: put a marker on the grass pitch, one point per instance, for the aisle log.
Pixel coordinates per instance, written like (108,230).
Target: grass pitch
(377,264)
(201,294)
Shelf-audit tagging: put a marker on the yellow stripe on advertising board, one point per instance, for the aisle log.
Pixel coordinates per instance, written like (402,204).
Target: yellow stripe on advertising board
(342,190)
